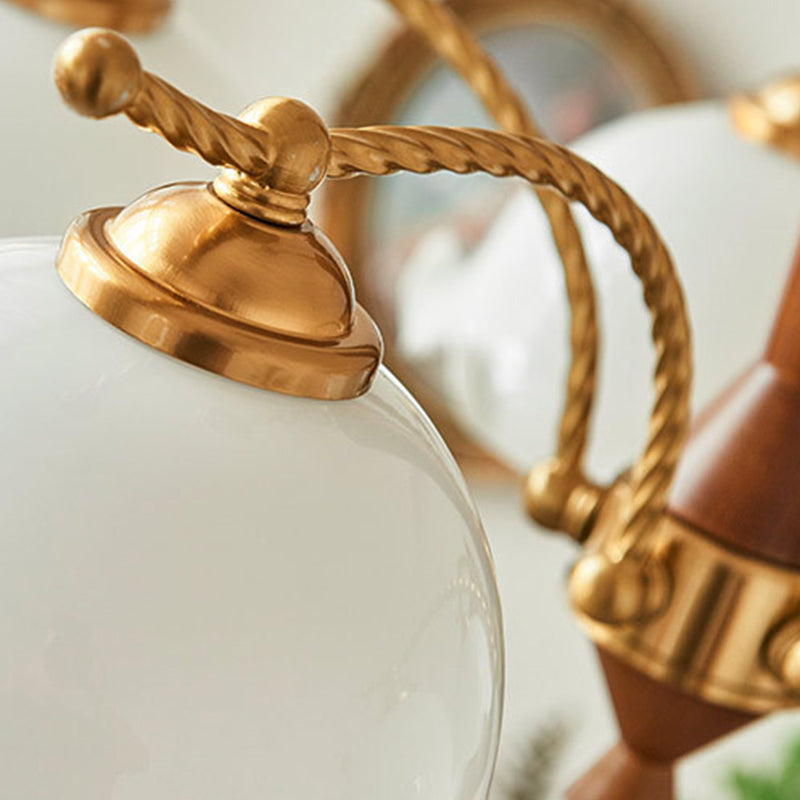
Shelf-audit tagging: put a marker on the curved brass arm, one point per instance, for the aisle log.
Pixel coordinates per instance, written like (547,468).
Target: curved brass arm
(99,74)
(568,489)
(385,150)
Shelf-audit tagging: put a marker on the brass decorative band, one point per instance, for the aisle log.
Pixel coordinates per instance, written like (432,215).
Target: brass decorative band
(130,16)
(771,116)
(729,630)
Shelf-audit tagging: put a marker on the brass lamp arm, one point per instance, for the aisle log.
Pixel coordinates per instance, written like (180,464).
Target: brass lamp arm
(457,46)
(386,150)
(122,86)
(219,139)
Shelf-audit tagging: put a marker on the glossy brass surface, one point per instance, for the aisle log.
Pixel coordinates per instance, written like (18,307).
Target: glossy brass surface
(728,630)
(130,16)
(771,116)
(229,277)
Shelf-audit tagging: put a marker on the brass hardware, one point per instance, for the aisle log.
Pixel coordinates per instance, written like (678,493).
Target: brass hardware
(130,16)
(449,29)
(628,591)
(453,41)
(771,115)
(722,634)
(210,280)
(200,251)
(384,150)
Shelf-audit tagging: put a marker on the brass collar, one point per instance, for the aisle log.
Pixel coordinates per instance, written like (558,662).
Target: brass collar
(728,626)
(262,304)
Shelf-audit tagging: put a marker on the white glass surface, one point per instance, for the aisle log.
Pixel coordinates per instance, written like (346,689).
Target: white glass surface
(491,329)
(209,591)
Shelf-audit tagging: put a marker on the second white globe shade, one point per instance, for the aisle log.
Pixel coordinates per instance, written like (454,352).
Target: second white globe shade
(210,590)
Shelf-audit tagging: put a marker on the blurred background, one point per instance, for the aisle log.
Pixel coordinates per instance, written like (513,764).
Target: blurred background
(462,274)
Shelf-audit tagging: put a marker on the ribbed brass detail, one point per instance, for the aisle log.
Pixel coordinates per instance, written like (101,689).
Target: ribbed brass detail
(282,146)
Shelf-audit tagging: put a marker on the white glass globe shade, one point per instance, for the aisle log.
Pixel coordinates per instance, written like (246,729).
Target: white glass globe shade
(214,591)
(491,326)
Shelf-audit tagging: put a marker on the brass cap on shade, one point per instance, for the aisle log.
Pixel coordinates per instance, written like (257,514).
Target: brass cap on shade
(229,276)
(130,16)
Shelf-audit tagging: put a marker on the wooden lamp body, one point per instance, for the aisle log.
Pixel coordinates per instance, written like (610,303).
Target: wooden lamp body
(738,484)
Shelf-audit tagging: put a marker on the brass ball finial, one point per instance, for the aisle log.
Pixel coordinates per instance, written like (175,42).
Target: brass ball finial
(97,72)
(299,154)
(272,156)
(302,142)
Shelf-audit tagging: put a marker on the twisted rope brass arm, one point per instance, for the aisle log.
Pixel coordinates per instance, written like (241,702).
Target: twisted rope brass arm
(456,45)
(99,74)
(188,125)
(385,150)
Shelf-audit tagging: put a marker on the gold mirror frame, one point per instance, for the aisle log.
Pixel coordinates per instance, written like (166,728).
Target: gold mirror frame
(654,67)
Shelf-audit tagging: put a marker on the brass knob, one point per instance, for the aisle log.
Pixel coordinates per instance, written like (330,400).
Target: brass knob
(561,498)
(630,590)
(97,73)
